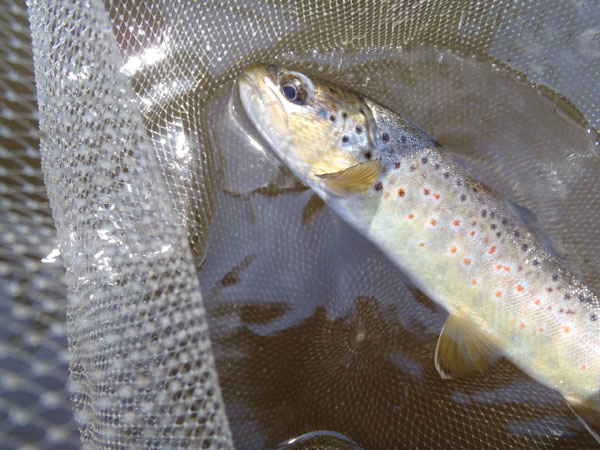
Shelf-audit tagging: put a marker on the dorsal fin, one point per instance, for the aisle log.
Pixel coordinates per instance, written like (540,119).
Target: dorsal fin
(553,244)
(462,349)
(354,179)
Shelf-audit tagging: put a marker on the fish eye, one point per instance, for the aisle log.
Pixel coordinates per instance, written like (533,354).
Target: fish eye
(289,91)
(293,90)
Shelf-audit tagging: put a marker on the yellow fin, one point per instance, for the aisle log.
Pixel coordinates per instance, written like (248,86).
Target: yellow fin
(354,179)
(588,412)
(462,349)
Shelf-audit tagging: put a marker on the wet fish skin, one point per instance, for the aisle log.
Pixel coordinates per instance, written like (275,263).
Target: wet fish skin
(454,237)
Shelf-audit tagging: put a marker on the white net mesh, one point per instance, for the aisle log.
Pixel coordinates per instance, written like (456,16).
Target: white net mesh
(34,401)
(172,221)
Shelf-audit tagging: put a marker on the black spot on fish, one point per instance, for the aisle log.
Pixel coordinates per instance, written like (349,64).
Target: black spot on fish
(555,277)
(560,310)
(493,226)
(524,247)
(385,137)
(593,317)
(474,189)
(535,262)
(549,289)
(463,198)
(361,110)
(403,138)
(504,221)
(345,115)
(358,130)
(332,118)
(332,90)
(344,139)
(446,175)
(378,186)
(412,168)
(581,298)
(397,164)
(459,183)
(483,212)
(368,155)
(492,214)
(517,234)
(498,234)
(436,167)
(424,160)
(567,296)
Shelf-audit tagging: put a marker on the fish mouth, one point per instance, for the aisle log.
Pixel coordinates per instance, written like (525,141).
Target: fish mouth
(250,95)
(260,100)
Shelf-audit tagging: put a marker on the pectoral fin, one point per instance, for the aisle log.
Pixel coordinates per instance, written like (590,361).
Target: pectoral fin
(588,412)
(354,179)
(462,349)
(311,209)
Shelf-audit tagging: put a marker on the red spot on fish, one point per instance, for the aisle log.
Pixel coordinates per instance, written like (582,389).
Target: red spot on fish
(433,222)
(498,294)
(474,282)
(582,367)
(453,250)
(506,269)
(456,222)
(411,216)
(541,330)
(521,325)
(422,244)
(467,261)
(537,301)
(492,250)
(520,288)
(567,329)
(436,196)
(499,266)
(378,186)
(426,191)
(472,233)
(401,192)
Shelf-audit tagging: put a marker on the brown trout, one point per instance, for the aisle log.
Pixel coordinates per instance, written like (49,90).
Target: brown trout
(455,238)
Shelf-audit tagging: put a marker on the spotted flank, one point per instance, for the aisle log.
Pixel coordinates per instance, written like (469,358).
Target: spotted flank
(455,238)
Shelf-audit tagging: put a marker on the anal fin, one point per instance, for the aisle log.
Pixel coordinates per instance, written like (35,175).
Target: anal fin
(462,349)
(588,412)
(354,179)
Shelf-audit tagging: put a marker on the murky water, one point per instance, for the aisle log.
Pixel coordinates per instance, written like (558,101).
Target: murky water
(314,329)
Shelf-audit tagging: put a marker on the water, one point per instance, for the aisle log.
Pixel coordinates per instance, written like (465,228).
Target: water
(313,329)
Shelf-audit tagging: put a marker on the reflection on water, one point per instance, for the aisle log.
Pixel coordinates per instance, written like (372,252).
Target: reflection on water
(319,440)
(313,329)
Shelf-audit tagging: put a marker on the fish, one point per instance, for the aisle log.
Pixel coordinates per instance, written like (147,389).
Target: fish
(454,237)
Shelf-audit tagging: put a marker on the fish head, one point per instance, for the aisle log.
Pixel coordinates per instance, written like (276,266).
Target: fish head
(315,128)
